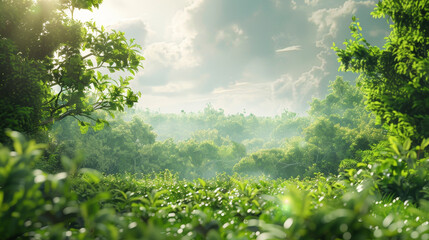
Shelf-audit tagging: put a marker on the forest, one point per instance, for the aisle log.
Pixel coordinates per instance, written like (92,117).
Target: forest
(78,160)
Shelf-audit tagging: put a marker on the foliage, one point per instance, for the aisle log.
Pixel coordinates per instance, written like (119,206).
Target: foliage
(236,127)
(395,78)
(36,205)
(113,150)
(86,205)
(130,146)
(261,162)
(53,66)
(342,128)
(401,171)
(257,208)
(21,99)
(344,105)
(338,127)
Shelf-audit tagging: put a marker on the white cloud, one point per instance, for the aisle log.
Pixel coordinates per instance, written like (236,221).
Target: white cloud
(327,19)
(288,49)
(178,51)
(293,4)
(311,2)
(330,23)
(244,88)
(175,55)
(180,28)
(296,93)
(252,97)
(173,87)
(232,35)
(133,28)
(262,56)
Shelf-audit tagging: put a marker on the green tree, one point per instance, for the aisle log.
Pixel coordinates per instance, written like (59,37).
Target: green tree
(262,162)
(343,105)
(163,155)
(53,66)
(208,135)
(116,149)
(333,142)
(395,79)
(230,155)
(21,100)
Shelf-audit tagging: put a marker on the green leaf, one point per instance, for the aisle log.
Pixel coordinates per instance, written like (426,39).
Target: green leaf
(202,182)
(395,145)
(90,63)
(407,144)
(91,175)
(84,127)
(425,143)
(160,193)
(122,193)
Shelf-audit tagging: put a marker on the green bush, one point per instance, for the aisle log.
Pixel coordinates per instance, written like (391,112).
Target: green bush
(400,171)
(83,204)
(36,205)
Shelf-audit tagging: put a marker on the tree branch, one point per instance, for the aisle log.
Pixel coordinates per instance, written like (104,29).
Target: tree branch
(96,67)
(88,55)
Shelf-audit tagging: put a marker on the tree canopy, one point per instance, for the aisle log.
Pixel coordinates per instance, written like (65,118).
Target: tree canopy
(54,66)
(395,79)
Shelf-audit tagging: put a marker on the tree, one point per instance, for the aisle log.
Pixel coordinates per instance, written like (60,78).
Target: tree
(344,105)
(333,142)
(116,149)
(395,79)
(21,100)
(266,161)
(54,66)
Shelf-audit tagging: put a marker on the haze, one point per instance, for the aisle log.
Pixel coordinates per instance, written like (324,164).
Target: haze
(260,57)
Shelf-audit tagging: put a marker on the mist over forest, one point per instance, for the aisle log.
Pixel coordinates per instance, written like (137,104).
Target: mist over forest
(318,154)
(337,132)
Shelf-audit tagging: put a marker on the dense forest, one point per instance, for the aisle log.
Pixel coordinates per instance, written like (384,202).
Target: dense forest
(337,131)
(78,160)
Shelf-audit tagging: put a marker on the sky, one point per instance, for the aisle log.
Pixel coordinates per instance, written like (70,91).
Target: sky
(244,56)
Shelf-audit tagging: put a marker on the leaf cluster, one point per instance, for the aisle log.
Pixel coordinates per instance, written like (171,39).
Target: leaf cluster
(395,78)
(67,64)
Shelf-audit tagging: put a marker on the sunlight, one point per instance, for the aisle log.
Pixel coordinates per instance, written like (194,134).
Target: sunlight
(286,204)
(83,15)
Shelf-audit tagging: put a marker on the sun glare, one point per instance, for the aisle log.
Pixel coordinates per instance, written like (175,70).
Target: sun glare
(286,204)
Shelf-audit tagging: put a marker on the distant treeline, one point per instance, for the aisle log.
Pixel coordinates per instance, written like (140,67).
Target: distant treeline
(336,133)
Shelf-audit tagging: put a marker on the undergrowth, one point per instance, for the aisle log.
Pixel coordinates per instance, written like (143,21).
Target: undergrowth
(382,200)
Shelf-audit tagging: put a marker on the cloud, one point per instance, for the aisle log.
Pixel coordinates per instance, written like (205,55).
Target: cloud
(175,55)
(237,40)
(178,51)
(243,88)
(229,53)
(172,88)
(331,24)
(232,35)
(180,25)
(298,92)
(288,49)
(133,28)
(328,20)
(311,2)
(293,4)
